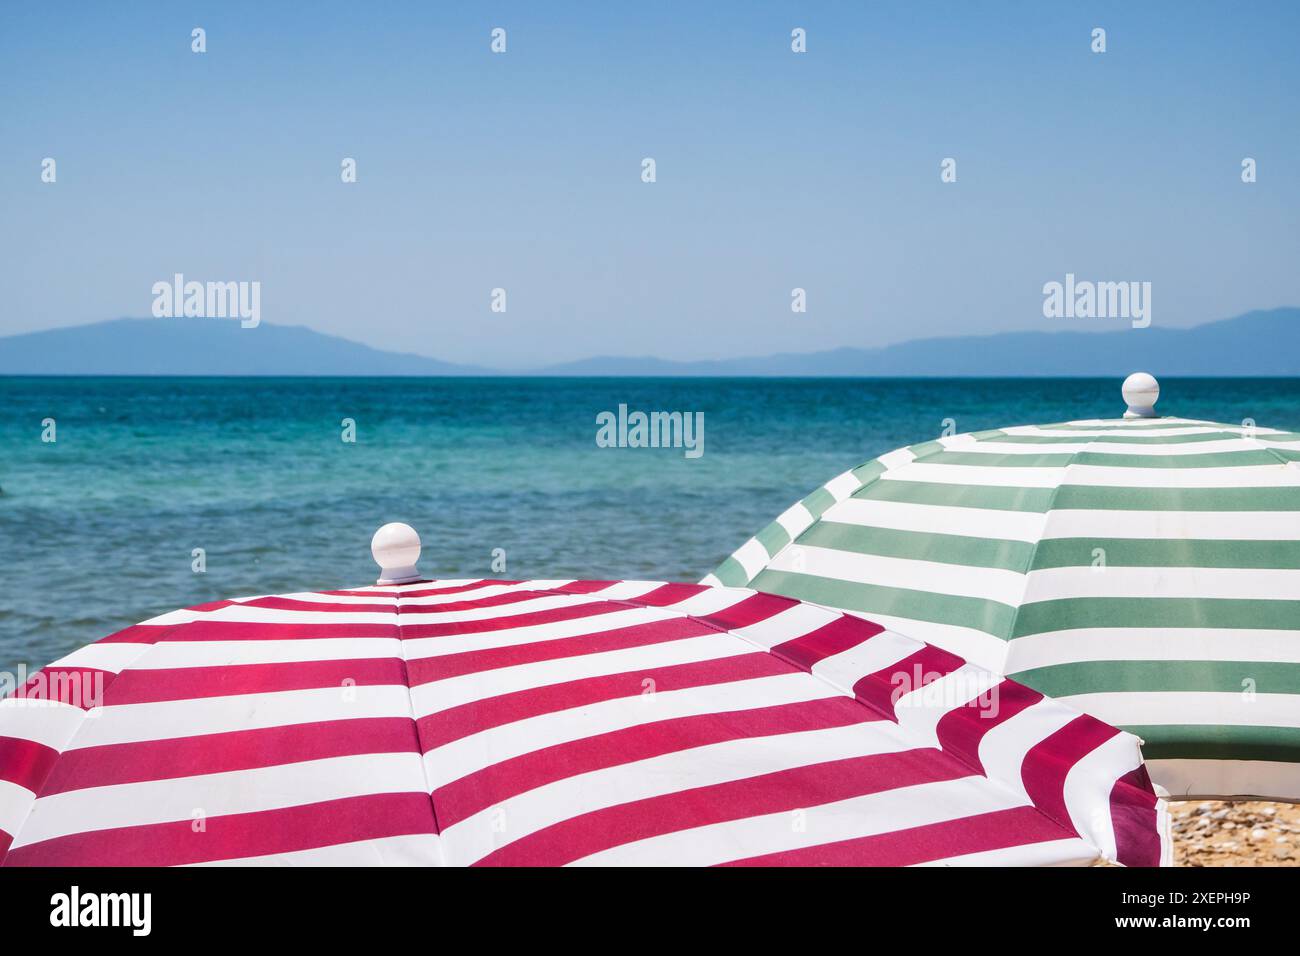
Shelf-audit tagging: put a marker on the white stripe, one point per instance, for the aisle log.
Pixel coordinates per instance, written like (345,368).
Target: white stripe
(113,656)
(990,584)
(622,591)
(841,486)
(1088,786)
(1178,525)
(897,458)
(795,519)
(1152,644)
(1124,581)
(920,710)
(416,849)
(165,720)
(478,835)
(711,601)
(864,816)
(1227,779)
(1240,476)
(468,755)
(247,614)
(972,645)
(795,621)
(220,794)
(846,668)
(451,692)
(548,602)
(15,802)
(172,654)
(751,556)
(1024,526)
(1002,749)
(1072,852)
(983,475)
(47,722)
(427,647)
(1187,449)
(1208,708)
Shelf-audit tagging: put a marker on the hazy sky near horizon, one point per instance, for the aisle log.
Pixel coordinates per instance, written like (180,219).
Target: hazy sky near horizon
(522,170)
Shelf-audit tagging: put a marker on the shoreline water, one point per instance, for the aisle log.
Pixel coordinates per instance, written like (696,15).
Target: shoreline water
(256,473)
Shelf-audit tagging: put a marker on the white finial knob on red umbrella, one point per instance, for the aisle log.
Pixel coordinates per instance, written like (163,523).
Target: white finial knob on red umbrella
(396,548)
(1141,391)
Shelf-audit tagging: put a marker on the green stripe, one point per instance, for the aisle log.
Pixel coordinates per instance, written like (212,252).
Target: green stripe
(920,545)
(731,574)
(1154,425)
(1202,742)
(925,449)
(1041,617)
(985,459)
(1177,499)
(1107,677)
(818,502)
(1167,553)
(1216,459)
(961,496)
(978,613)
(774,538)
(1115,439)
(869,472)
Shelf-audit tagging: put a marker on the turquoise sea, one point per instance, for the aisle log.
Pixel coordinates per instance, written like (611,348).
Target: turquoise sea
(97,528)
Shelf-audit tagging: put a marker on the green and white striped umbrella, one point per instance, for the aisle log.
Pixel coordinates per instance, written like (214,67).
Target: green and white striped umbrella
(1147,570)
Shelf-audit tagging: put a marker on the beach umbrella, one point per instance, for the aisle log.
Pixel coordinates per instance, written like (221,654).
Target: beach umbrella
(550,722)
(1145,570)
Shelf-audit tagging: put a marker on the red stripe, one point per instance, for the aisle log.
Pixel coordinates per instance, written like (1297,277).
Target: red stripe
(191,683)
(437,730)
(586,587)
(209,630)
(508,622)
(838,636)
(82,687)
(783,791)
(424,592)
(962,728)
(668,594)
(138,634)
(1133,813)
(757,607)
(428,669)
(237,835)
(884,687)
(1018,826)
(5,840)
(1049,761)
(112,764)
(25,762)
(474,604)
(294,604)
(500,781)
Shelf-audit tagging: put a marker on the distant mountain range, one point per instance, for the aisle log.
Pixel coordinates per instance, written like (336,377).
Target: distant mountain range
(1265,343)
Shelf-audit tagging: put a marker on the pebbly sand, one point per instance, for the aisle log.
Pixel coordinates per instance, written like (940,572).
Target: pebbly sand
(1222,833)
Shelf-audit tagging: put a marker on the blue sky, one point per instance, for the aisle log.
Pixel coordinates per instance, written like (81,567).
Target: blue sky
(522,170)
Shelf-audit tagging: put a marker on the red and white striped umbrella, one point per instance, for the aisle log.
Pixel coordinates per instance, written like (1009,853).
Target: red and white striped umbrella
(551,722)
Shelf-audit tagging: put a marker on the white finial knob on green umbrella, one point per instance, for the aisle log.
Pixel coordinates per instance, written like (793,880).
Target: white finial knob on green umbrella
(1141,391)
(396,548)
